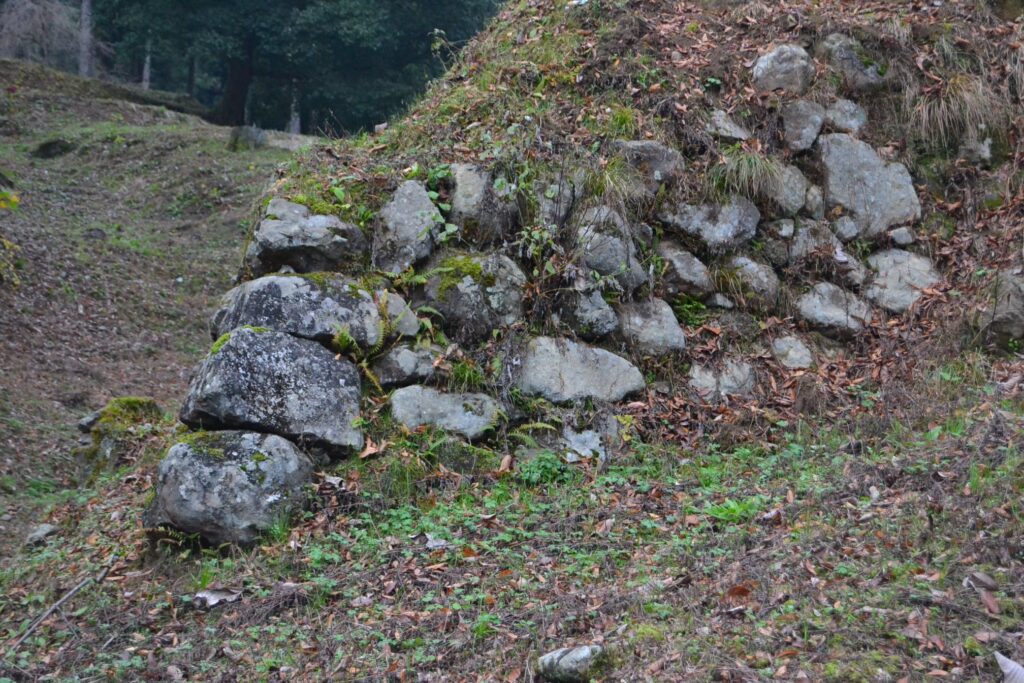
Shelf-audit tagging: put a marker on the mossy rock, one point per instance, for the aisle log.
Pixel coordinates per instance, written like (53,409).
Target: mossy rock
(116,428)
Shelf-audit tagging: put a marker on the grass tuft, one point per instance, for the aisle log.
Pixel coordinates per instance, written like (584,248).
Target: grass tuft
(746,171)
(958,108)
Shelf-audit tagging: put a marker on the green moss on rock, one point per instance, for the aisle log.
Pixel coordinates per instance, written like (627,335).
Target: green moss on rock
(455,269)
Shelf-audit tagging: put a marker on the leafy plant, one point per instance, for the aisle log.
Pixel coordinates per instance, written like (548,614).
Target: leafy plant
(545,468)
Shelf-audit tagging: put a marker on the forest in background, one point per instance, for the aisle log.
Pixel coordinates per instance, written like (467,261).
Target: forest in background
(317,66)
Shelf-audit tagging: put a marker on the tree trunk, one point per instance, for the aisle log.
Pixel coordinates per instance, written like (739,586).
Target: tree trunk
(295,120)
(193,67)
(231,110)
(147,66)
(85,44)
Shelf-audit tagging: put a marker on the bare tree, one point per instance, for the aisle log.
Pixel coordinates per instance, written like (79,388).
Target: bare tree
(43,31)
(85,40)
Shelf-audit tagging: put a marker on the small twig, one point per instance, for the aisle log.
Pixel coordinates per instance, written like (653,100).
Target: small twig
(55,606)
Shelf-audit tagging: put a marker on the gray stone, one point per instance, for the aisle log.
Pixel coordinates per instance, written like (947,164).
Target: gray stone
(587,314)
(735,378)
(815,203)
(607,248)
(792,353)
(556,202)
(485,216)
(846,55)
(879,195)
(902,237)
(803,121)
(846,229)
(471,415)
(760,283)
(783,229)
(790,191)
(583,445)
(721,228)
(976,151)
(721,301)
(570,665)
(1001,317)
(290,237)
(405,364)
(899,278)
(684,272)
(787,67)
(833,310)
(229,487)
(475,294)
(722,126)
(273,382)
(315,308)
(845,116)
(658,166)
(651,327)
(39,535)
(405,234)
(563,371)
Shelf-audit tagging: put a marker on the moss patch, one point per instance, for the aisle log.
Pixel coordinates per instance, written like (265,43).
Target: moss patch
(455,269)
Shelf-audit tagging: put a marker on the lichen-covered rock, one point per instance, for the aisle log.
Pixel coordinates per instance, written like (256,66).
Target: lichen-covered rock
(878,194)
(1001,318)
(272,382)
(790,191)
(845,116)
(229,487)
(475,294)
(556,202)
(587,314)
(570,664)
(651,327)
(792,353)
(760,283)
(846,229)
(471,415)
(899,278)
(902,237)
(720,228)
(684,272)
(405,364)
(803,121)
(290,237)
(659,166)
(405,234)
(787,67)
(484,214)
(563,371)
(833,310)
(734,378)
(847,56)
(723,126)
(815,203)
(605,241)
(315,308)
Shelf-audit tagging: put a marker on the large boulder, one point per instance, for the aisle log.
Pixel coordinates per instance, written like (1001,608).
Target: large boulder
(899,278)
(803,121)
(289,236)
(790,190)
(485,212)
(475,294)
(658,166)
(229,487)
(684,273)
(315,308)
(651,327)
(847,56)
(471,415)
(833,310)
(787,67)
(720,227)
(405,364)
(571,664)
(759,282)
(563,371)
(792,353)
(846,117)
(272,382)
(405,234)
(605,242)
(1001,318)
(878,194)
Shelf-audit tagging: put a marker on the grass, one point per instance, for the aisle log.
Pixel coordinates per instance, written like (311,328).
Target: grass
(961,107)
(746,171)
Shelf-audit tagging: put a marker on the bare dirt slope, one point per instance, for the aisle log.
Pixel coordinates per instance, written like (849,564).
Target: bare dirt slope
(124,234)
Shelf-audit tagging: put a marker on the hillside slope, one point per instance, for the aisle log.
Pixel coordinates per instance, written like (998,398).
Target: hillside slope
(792,450)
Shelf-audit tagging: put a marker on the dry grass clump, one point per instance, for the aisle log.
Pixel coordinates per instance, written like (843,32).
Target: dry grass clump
(947,113)
(745,170)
